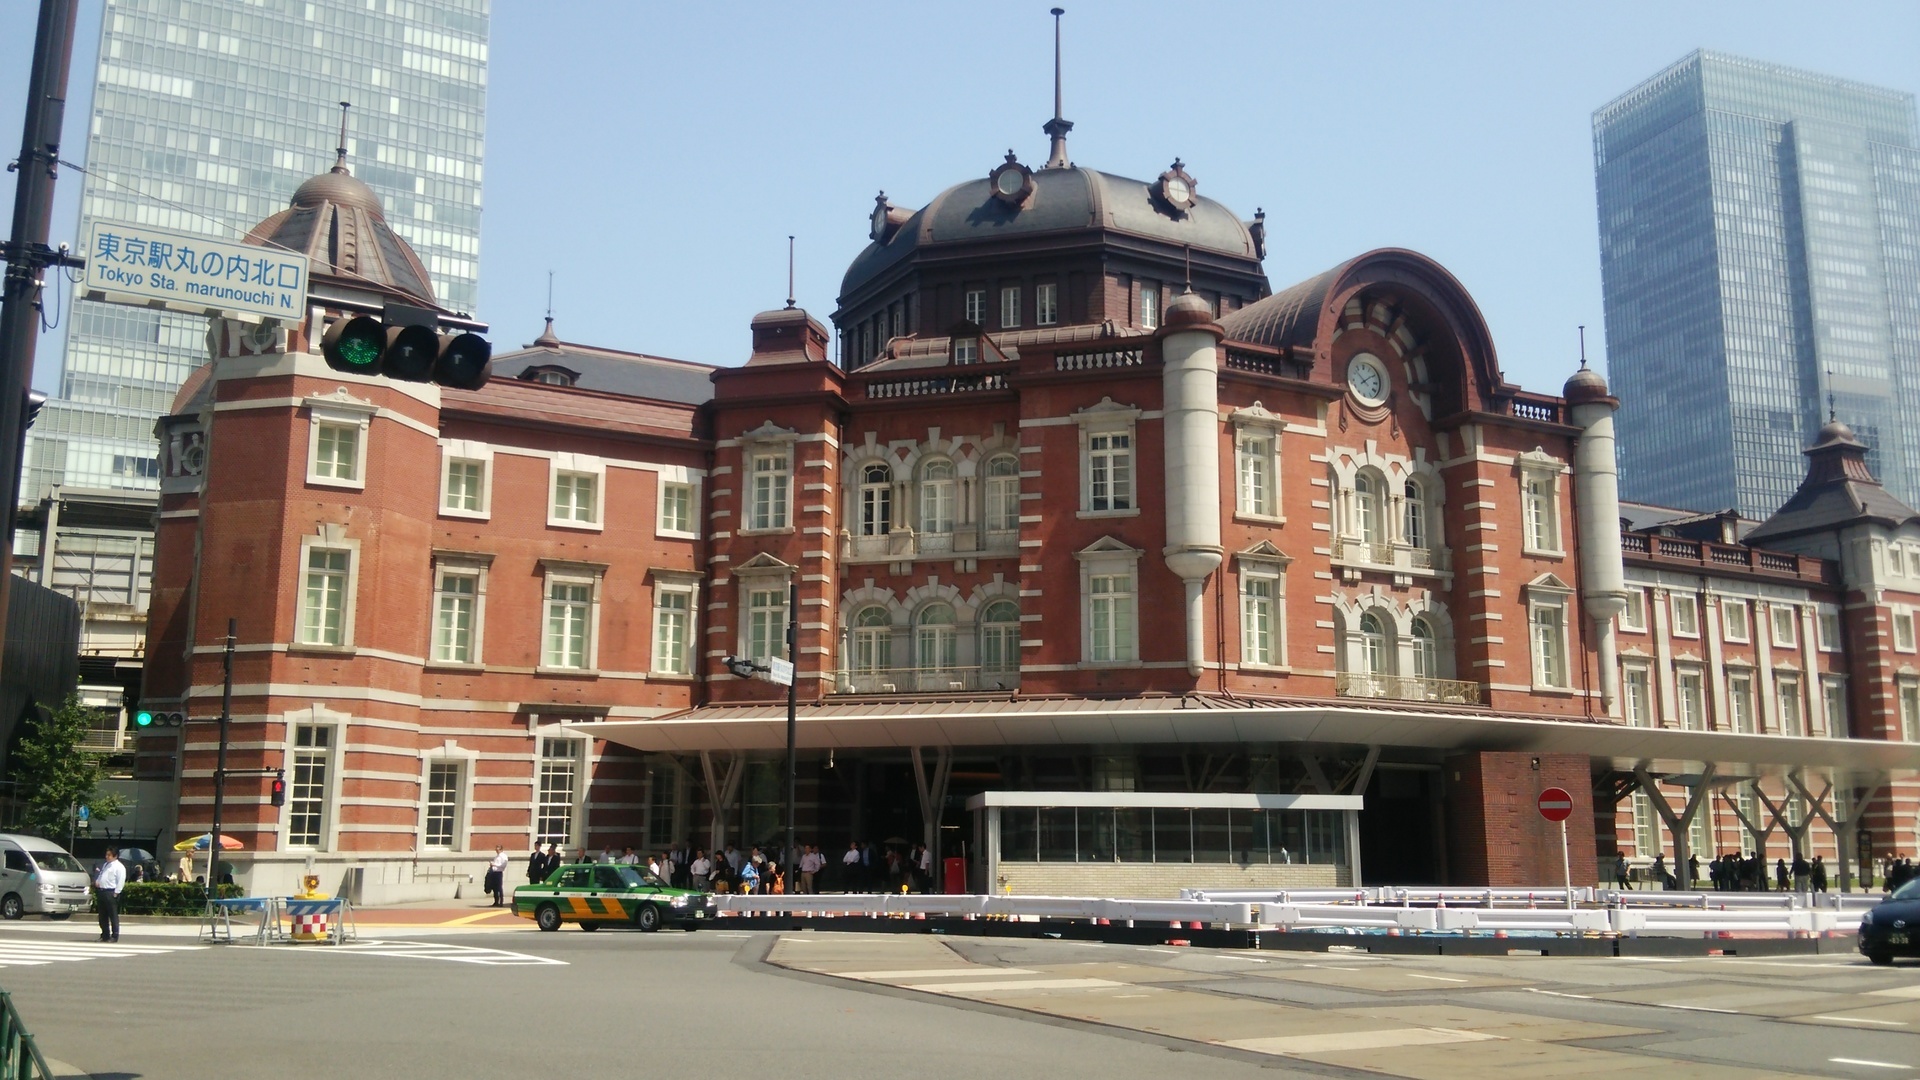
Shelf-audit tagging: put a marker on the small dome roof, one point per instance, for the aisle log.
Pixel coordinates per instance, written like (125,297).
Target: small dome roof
(1834,431)
(1585,385)
(1063,199)
(337,221)
(1188,309)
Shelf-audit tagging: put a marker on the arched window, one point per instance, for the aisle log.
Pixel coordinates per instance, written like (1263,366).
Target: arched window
(1414,523)
(1000,639)
(1373,645)
(876,500)
(936,643)
(1426,655)
(936,497)
(1003,494)
(1367,511)
(872,640)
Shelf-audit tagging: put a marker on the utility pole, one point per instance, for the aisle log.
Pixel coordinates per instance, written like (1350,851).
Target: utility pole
(27,255)
(793,707)
(219,768)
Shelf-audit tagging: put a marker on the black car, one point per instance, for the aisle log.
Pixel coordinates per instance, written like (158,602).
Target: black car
(1892,928)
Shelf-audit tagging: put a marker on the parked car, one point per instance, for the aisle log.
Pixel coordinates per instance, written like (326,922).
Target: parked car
(595,895)
(1892,927)
(38,877)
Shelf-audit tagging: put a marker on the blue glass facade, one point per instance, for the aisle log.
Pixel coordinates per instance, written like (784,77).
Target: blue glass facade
(206,116)
(1759,251)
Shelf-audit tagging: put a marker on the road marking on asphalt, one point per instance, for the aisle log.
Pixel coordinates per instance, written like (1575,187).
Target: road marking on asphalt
(1868,1064)
(1860,1020)
(1435,978)
(1897,992)
(16,953)
(931,973)
(1016,984)
(465,919)
(1696,1008)
(1556,993)
(426,950)
(1329,1042)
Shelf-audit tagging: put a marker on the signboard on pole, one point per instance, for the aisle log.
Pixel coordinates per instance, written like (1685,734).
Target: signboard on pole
(1556,804)
(199,275)
(780,672)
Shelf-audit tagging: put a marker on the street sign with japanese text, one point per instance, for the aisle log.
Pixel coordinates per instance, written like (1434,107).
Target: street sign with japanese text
(780,672)
(140,264)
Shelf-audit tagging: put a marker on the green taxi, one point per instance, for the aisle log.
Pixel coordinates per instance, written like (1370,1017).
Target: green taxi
(599,894)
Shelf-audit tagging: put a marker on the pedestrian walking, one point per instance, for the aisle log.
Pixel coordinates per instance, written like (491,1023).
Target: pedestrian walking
(699,870)
(496,882)
(749,878)
(1819,873)
(1802,874)
(108,881)
(850,867)
(1780,874)
(1622,873)
(536,863)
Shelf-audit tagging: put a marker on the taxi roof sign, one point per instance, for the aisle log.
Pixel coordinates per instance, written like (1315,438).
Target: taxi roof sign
(187,272)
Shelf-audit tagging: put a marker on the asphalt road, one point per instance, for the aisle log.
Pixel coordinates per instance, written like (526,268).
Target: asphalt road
(719,1003)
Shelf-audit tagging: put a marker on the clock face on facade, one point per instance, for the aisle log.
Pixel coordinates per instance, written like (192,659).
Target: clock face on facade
(879,221)
(1012,182)
(1367,380)
(1178,192)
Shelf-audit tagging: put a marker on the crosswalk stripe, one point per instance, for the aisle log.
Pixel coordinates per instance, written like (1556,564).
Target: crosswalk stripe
(17,953)
(459,954)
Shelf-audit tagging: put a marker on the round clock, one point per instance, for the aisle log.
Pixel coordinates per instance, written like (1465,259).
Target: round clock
(1012,182)
(1178,192)
(1009,182)
(1367,380)
(878,222)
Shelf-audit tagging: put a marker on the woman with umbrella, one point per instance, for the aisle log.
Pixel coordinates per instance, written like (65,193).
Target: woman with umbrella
(203,842)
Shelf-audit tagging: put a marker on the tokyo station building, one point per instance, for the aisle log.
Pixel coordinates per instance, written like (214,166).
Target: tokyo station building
(1118,570)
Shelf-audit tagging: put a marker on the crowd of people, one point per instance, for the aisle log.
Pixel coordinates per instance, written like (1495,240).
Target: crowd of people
(1736,872)
(863,867)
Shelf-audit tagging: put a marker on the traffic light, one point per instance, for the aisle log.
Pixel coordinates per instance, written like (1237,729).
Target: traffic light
(405,343)
(146,719)
(279,791)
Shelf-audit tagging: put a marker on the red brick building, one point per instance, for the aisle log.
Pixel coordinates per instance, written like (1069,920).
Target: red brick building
(1083,508)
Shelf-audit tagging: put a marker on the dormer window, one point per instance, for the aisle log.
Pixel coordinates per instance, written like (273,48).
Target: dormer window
(966,350)
(551,375)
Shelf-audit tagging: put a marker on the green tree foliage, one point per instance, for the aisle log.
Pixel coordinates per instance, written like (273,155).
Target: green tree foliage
(52,774)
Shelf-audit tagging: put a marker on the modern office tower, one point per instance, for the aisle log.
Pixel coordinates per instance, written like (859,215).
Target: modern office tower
(1760,252)
(205,119)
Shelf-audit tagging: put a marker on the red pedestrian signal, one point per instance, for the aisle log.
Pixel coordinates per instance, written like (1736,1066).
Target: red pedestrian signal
(279,792)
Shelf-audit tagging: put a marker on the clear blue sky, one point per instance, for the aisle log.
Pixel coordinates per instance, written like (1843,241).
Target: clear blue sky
(656,156)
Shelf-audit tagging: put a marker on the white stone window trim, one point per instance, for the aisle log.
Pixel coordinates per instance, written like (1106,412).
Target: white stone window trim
(1823,642)
(1266,563)
(1108,418)
(768,440)
(1107,557)
(1537,464)
(467,564)
(1696,671)
(1650,716)
(577,810)
(1674,601)
(1046,304)
(1549,593)
(763,571)
(1906,691)
(1010,307)
(1902,616)
(561,571)
(339,410)
(677,477)
(680,583)
(570,464)
(1256,422)
(319,716)
(1727,603)
(453,753)
(329,537)
(1639,625)
(468,451)
(1791,639)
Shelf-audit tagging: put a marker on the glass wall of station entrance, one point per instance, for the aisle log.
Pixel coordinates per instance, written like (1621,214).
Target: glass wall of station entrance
(1153,844)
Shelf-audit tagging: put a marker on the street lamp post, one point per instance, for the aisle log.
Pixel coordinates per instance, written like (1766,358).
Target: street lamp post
(745,668)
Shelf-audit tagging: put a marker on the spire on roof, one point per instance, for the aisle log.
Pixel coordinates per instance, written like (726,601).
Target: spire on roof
(1057,127)
(340,152)
(547,337)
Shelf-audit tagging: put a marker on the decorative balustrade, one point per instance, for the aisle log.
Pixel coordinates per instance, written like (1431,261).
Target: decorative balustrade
(1529,407)
(1387,556)
(903,544)
(1406,688)
(1363,551)
(938,384)
(1103,358)
(1737,556)
(950,680)
(1267,364)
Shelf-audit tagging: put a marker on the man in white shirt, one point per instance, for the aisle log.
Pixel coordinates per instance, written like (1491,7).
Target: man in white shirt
(497,876)
(700,869)
(108,880)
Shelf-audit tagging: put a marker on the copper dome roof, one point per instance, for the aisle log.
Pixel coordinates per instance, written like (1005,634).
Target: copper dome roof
(337,221)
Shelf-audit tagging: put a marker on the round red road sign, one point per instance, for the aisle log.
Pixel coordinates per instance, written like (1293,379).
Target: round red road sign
(1556,804)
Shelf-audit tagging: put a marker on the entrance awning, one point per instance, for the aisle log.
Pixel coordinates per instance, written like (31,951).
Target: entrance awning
(1199,719)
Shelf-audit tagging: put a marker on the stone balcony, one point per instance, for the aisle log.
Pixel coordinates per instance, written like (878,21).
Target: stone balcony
(1406,688)
(905,544)
(952,680)
(1393,558)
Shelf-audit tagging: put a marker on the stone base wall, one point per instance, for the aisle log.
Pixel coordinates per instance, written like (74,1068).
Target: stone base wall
(381,880)
(1162,881)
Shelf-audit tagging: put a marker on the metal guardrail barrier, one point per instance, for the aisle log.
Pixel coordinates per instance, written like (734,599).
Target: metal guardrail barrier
(20,1058)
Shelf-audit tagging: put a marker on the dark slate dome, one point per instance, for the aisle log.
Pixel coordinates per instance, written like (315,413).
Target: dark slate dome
(1585,385)
(1064,199)
(337,221)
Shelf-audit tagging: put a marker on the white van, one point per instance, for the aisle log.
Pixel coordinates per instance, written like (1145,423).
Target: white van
(39,876)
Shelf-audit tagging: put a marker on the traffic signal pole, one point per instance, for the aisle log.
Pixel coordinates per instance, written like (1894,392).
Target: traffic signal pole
(793,707)
(27,255)
(219,768)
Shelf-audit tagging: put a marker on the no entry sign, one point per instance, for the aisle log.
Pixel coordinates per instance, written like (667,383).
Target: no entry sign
(1556,804)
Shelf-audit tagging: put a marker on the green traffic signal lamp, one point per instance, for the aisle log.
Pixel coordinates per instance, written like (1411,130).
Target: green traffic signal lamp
(143,718)
(355,345)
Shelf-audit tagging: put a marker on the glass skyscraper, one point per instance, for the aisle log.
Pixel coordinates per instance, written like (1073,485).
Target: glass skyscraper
(206,116)
(1760,250)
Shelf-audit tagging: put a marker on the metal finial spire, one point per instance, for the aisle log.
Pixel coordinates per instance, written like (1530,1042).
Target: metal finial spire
(549,296)
(1188,255)
(1057,127)
(1832,413)
(1583,347)
(789,271)
(340,152)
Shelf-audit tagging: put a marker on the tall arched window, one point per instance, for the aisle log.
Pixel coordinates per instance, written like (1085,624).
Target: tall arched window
(1368,514)
(1003,494)
(1414,517)
(936,643)
(876,500)
(999,640)
(1373,645)
(872,640)
(1426,655)
(936,497)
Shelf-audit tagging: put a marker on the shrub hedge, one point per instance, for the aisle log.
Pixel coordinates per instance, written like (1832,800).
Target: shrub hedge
(168,897)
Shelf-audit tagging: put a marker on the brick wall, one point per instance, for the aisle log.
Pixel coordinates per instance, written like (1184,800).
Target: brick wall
(1495,834)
